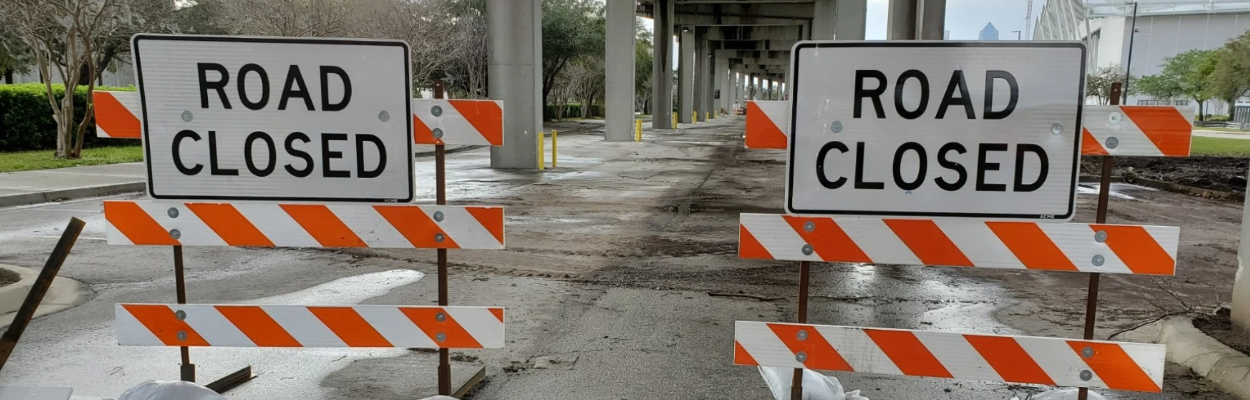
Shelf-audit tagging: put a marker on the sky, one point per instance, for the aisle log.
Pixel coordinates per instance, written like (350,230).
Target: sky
(964,18)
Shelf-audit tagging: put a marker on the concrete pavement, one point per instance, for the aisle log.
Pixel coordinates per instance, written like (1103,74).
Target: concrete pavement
(611,262)
(1222,134)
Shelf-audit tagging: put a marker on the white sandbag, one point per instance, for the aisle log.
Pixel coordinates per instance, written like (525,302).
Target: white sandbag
(1061,394)
(170,390)
(815,385)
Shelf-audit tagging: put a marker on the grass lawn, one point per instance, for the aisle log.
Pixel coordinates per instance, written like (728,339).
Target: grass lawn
(1205,146)
(43,159)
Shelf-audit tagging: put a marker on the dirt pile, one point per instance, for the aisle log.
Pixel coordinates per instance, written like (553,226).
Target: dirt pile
(1215,173)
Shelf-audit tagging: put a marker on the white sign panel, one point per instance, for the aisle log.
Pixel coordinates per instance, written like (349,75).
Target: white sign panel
(935,129)
(275,118)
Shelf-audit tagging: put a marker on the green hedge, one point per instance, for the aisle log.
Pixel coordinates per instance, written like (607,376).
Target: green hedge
(26,121)
(572,110)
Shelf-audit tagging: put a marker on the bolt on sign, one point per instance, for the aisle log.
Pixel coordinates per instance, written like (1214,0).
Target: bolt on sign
(984,130)
(244,118)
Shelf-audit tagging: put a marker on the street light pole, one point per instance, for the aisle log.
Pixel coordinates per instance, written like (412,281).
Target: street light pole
(1017,35)
(1128,68)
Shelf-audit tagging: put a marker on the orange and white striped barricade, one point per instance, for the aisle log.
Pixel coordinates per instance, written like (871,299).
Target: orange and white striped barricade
(231,325)
(434,121)
(935,239)
(1014,359)
(466,122)
(1103,248)
(170,223)
(1152,131)
(117,114)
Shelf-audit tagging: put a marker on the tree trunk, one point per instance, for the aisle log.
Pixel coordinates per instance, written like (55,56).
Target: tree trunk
(1201,115)
(8,76)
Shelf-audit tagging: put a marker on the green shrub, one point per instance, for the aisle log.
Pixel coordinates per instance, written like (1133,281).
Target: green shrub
(571,110)
(1216,118)
(26,121)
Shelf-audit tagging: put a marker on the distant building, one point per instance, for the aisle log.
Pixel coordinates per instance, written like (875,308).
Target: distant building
(989,32)
(1164,28)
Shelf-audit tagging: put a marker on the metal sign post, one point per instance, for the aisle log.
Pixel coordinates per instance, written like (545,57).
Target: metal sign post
(1104,197)
(879,148)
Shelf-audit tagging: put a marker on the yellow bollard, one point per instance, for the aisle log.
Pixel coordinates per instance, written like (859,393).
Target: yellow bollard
(694,116)
(638,130)
(541,152)
(555,151)
(674,120)
(707,116)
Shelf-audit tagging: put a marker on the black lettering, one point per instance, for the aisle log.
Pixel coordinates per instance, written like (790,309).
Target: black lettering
(859,170)
(290,149)
(178,155)
(264,87)
(874,94)
(820,165)
(957,83)
(990,76)
(294,78)
(953,166)
(1020,186)
(220,85)
(360,156)
(924,94)
(212,158)
(327,155)
(898,164)
(247,153)
(983,166)
(325,88)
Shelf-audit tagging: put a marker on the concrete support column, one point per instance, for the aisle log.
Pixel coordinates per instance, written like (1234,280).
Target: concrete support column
(619,71)
(738,82)
(685,76)
(1241,285)
(916,19)
(700,75)
(722,85)
(662,66)
(515,71)
(708,66)
(825,18)
(852,19)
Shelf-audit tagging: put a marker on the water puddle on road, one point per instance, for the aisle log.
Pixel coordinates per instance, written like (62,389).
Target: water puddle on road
(1118,190)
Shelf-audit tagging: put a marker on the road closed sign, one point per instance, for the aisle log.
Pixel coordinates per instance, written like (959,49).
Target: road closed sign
(935,129)
(248,118)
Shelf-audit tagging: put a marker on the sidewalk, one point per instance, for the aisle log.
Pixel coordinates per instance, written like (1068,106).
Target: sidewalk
(41,186)
(31,187)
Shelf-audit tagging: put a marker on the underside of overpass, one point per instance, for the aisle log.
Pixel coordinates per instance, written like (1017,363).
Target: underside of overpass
(730,51)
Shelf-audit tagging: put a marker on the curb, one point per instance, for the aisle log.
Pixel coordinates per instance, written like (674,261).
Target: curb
(74,193)
(1202,354)
(64,294)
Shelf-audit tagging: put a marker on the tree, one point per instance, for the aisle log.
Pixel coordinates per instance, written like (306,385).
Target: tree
(1230,78)
(642,67)
(1099,83)
(15,56)
(63,36)
(1185,74)
(1159,87)
(571,29)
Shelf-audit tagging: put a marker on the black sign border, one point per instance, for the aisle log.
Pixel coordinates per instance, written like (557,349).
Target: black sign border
(147,148)
(1076,159)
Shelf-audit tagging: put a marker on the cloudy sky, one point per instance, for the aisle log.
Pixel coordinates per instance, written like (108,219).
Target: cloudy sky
(964,18)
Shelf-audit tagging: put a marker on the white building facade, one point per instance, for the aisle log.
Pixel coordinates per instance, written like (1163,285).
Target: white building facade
(1164,28)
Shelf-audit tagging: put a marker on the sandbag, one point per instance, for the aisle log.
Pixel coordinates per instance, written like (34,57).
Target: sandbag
(169,390)
(816,386)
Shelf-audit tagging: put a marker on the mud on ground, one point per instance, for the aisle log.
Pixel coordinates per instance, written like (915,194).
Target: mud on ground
(1227,174)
